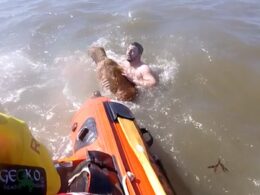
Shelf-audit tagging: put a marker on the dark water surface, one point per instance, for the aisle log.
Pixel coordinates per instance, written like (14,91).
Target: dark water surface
(206,54)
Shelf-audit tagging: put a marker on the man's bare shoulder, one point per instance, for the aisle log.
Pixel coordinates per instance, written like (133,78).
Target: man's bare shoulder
(123,63)
(144,68)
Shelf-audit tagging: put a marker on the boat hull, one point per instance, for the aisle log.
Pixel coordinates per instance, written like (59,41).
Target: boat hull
(102,126)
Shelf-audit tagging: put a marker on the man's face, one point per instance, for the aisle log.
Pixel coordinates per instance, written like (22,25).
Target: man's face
(132,53)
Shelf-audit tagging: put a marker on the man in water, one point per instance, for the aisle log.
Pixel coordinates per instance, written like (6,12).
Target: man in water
(134,69)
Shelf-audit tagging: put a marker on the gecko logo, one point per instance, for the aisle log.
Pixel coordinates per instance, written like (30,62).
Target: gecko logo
(16,178)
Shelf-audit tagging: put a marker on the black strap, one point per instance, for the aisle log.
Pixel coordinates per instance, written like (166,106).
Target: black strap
(147,136)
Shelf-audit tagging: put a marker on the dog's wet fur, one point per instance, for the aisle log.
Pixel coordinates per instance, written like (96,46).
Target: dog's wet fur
(109,74)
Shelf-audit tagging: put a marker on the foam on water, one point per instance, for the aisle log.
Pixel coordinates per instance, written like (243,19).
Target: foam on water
(24,83)
(77,75)
(16,70)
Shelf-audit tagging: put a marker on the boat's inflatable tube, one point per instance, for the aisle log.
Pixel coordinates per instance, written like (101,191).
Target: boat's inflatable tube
(108,147)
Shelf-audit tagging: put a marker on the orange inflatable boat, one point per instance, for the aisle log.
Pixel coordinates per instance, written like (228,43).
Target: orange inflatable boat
(110,155)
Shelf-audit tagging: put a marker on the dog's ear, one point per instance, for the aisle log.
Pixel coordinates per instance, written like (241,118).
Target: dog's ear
(97,54)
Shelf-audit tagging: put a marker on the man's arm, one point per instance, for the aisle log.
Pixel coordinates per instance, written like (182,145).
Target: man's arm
(145,78)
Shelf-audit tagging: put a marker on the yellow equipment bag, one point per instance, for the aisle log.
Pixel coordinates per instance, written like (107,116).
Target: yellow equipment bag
(25,165)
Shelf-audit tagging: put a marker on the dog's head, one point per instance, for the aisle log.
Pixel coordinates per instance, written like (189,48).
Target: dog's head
(97,54)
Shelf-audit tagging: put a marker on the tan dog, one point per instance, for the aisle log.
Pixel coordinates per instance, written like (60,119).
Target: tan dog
(109,73)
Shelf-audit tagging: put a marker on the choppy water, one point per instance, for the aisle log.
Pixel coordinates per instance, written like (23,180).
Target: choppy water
(206,54)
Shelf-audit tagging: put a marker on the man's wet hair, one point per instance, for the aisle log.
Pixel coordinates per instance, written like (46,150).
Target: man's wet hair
(139,47)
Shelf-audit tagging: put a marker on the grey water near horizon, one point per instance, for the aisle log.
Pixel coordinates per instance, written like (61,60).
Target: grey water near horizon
(205,53)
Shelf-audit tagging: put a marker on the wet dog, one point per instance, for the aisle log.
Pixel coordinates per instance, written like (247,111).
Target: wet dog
(109,74)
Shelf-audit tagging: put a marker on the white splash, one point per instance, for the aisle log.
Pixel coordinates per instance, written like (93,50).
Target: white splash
(207,53)
(188,119)
(101,42)
(129,14)
(256,182)
(197,178)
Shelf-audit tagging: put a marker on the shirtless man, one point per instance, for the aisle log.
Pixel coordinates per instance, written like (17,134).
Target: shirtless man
(134,69)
